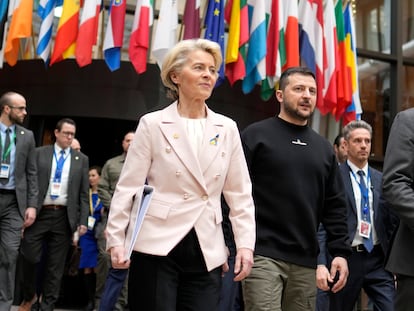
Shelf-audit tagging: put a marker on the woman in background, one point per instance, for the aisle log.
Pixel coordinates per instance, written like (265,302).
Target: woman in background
(87,242)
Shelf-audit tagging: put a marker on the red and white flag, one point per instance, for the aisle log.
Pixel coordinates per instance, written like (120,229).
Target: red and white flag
(88,31)
(139,39)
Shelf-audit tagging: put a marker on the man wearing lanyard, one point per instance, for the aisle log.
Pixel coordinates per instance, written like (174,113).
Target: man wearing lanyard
(18,188)
(64,208)
(370,225)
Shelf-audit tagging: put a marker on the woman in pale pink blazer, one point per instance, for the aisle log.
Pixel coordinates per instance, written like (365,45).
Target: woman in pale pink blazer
(191,156)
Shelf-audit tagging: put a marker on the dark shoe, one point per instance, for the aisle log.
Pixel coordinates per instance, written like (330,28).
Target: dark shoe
(90,283)
(36,306)
(90,306)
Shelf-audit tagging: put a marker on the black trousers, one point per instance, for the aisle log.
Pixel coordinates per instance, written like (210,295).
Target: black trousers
(51,228)
(366,271)
(179,281)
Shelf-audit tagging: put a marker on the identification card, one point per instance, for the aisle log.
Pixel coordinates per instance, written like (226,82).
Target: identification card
(91,222)
(55,189)
(365,229)
(5,170)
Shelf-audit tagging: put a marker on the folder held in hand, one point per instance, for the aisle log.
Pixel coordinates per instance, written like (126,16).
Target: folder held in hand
(140,206)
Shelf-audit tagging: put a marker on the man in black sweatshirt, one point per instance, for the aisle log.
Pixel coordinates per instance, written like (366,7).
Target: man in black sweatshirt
(296,186)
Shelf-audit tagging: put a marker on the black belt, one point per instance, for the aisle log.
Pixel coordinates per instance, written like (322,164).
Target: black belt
(361,248)
(54,207)
(7,191)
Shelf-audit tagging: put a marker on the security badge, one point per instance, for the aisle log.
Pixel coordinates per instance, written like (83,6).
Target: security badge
(5,170)
(55,188)
(91,222)
(365,229)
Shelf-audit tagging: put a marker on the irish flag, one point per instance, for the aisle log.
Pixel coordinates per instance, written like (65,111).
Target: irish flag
(20,27)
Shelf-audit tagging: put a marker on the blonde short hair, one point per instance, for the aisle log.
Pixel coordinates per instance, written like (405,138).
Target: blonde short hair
(176,58)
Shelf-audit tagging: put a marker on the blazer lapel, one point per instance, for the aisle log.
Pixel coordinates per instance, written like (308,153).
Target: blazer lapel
(175,133)
(74,165)
(45,162)
(348,187)
(375,185)
(49,158)
(20,138)
(214,135)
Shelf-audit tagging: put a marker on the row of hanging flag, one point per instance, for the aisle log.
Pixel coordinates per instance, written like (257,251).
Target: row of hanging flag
(264,37)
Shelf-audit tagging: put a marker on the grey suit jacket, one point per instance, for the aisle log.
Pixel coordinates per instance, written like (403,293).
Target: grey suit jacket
(398,187)
(25,172)
(78,184)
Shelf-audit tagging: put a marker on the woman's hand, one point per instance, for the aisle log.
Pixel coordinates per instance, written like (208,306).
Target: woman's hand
(118,260)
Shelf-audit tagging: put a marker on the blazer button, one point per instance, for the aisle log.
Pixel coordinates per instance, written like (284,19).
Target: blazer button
(186,196)
(177,173)
(204,197)
(168,149)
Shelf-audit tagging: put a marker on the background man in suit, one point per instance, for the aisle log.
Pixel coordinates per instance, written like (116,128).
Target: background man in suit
(75,144)
(398,189)
(64,206)
(106,187)
(18,188)
(370,225)
(339,148)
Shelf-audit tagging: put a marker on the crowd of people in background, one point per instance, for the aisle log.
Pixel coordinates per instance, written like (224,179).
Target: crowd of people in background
(272,218)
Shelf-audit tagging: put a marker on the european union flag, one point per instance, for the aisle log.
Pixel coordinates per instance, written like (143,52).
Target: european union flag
(214,23)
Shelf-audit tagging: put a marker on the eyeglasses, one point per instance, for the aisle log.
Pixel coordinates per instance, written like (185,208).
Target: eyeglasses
(67,134)
(21,108)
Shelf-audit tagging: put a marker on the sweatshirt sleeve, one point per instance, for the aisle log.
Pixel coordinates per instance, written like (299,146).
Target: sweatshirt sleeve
(334,217)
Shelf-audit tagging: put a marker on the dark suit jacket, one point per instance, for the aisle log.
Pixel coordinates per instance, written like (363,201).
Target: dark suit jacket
(78,183)
(384,220)
(25,172)
(398,187)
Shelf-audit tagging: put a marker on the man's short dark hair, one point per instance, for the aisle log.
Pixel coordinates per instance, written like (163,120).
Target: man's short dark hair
(284,78)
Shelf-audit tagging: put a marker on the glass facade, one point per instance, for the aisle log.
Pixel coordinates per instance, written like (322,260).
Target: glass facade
(385,47)
(374,84)
(408,28)
(372,23)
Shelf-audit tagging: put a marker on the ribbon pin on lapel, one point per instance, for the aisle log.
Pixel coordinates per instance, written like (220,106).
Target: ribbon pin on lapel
(214,140)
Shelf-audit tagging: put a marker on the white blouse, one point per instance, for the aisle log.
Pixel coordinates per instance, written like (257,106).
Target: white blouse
(195,132)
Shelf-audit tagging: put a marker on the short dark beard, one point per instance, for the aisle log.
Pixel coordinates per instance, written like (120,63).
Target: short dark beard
(294,113)
(14,120)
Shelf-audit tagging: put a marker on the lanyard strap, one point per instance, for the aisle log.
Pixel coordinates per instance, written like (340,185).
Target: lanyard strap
(59,166)
(9,148)
(364,192)
(91,207)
